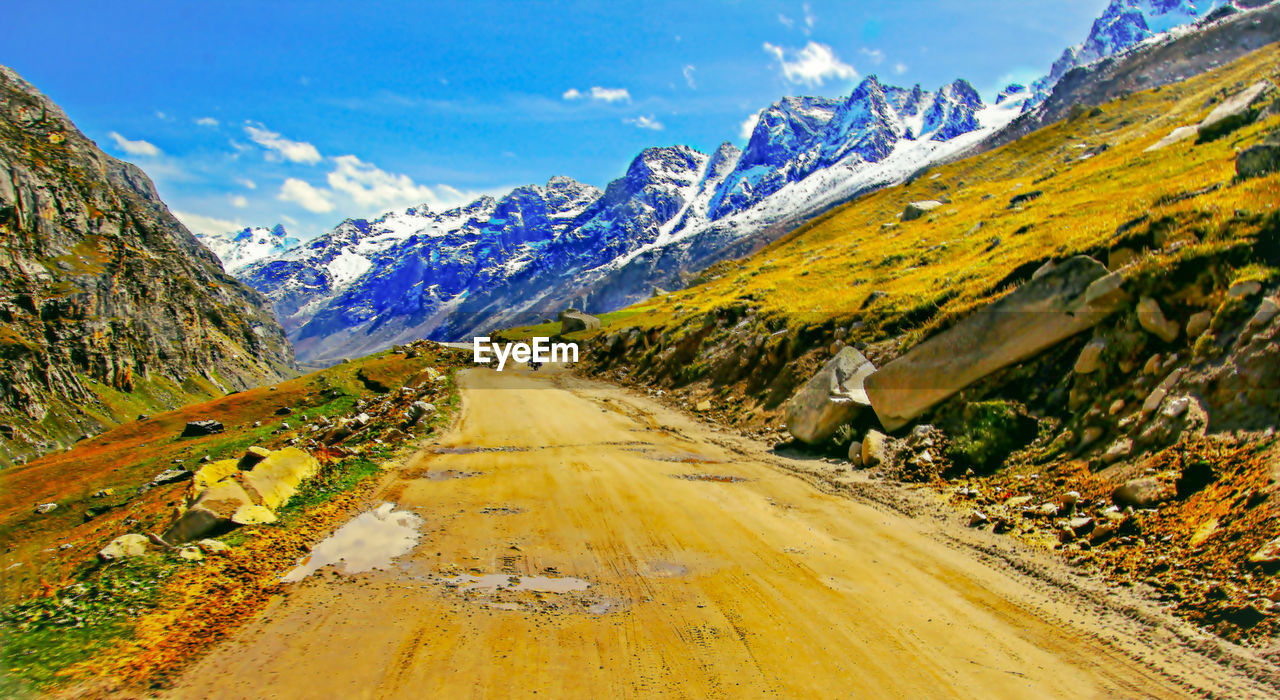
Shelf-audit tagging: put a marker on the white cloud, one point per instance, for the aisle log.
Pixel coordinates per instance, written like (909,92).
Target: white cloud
(809,19)
(288,219)
(207,121)
(899,68)
(688,77)
(161,115)
(300,192)
(644,122)
(786,21)
(372,187)
(135,148)
(210,225)
(247,183)
(812,66)
(749,125)
(292,151)
(876,55)
(610,94)
(239,201)
(600,94)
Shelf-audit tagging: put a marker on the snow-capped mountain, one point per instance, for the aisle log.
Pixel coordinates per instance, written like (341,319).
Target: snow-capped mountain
(416,273)
(369,284)
(1122,25)
(243,248)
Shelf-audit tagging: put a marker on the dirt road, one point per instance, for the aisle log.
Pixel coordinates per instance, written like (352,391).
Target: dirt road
(637,555)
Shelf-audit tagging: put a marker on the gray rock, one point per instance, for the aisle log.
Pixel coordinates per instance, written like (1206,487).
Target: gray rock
(1144,492)
(1267,310)
(875,448)
(1236,111)
(1246,288)
(1118,450)
(915,210)
(170,476)
(1151,317)
(572,320)
(1075,296)
(200,428)
(855,453)
(125,547)
(1260,159)
(830,398)
(46,508)
(1090,359)
(1181,133)
(1199,323)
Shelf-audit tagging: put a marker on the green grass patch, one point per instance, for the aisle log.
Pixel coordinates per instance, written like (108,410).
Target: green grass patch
(44,635)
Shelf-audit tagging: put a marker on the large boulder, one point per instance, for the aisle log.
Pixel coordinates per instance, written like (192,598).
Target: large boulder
(915,210)
(124,547)
(1236,111)
(572,320)
(1260,159)
(830,398)
(276,478)
(1072,297)
(1144,492)
(213,512)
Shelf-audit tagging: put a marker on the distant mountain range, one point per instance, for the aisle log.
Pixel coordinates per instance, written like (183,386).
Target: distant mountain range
(371,283)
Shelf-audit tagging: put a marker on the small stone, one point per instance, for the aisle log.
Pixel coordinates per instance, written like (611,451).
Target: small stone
(1198,324)
(855,453)
(1070,498)
(875,447)
(1153,365)
(1118,450)
(1144,492)
(1267,310)
(1151,317)
(1269,553)
(1176,407)
(977,519)
(1090,359)
(1244,289)
(1116,407)
(123,547)
(1090,435)
(209,546)
(283,411)
(46,508)
(703,406)
(191,553)
(170,476)
(200,428)
(104,493)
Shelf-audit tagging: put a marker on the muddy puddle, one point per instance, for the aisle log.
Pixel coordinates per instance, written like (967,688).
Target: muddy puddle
(468,450)
(369,541)
(548,593)
(511,582)
(721,478)
(501,510)
(665,569)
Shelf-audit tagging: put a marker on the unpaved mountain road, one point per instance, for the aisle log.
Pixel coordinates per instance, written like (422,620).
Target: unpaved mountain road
(639,556)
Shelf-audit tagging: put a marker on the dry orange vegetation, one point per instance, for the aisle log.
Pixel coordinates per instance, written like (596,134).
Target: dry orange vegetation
(130,455)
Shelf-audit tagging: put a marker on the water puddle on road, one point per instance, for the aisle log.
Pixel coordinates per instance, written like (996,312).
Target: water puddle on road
(546,593)
(510,582)
(468,450)
(369,541)
(722,478)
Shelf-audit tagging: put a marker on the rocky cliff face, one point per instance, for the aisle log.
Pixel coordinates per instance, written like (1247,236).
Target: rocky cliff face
(109,305)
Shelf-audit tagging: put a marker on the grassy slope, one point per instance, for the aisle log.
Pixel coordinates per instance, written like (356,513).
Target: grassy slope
(131,622)
(130,455)
(936,268)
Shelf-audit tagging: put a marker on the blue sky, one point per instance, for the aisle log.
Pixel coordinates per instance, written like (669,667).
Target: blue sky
(253,113)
